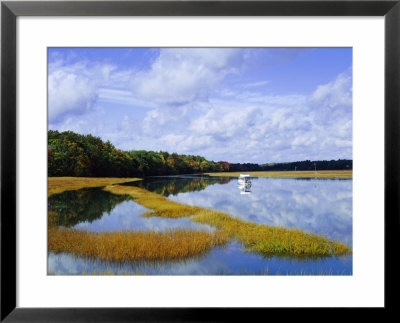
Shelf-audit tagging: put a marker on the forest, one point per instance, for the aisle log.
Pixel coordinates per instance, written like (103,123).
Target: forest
(340,164)
(72,154)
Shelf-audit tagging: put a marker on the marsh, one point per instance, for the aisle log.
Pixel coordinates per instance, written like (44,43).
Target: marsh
(318,207)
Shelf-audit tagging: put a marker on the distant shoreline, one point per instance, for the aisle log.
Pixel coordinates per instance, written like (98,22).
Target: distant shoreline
(291,174)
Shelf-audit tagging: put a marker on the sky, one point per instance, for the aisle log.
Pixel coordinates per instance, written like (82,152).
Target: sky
(242,105)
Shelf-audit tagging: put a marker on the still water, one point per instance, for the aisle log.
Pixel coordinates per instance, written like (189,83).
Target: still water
(322,206)
(96,210)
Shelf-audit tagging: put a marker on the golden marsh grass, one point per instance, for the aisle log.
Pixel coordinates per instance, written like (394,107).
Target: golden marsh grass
(263,239)
(130,245)
(160,205)
(268,240)
(62,184)
(293,174)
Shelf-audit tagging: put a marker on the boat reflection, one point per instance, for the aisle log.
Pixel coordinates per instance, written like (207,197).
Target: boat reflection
(244,184)
(245,189)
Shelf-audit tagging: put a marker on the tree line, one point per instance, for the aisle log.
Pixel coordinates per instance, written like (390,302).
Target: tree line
(72,154)
(340,164)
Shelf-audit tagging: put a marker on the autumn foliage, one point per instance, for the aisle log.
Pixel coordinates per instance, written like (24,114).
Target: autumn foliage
(71,154)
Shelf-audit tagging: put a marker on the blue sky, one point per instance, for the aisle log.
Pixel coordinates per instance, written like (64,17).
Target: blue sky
(233,104)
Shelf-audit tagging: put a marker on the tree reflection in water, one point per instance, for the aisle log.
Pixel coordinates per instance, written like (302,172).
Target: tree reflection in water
(72,207)
(69,208)
(172,185)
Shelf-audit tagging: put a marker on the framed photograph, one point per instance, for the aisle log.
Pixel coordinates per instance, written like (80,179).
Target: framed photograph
(181,154)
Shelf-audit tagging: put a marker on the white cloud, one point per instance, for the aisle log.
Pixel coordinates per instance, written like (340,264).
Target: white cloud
(333,101)
(304,140)
(183,75)
(120,96)
(239,97)
(256,84)
(224,125)
(337,93)
(165,119)
(278,129)
(90,124)
(72,89)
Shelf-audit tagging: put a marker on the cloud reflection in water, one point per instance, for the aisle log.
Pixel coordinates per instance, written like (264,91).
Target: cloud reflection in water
(322,206)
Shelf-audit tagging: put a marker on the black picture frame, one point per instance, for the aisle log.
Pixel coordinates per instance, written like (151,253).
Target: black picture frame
(10,10)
